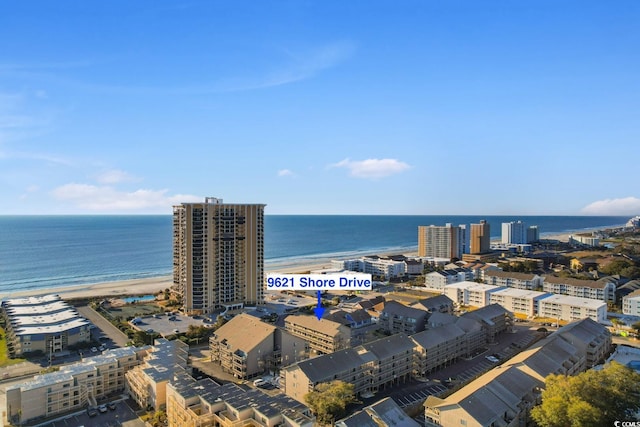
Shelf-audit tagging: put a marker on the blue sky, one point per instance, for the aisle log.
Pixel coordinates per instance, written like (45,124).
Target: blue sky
(321,107)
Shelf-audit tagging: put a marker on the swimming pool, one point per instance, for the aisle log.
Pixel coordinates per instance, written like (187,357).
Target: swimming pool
(141,298)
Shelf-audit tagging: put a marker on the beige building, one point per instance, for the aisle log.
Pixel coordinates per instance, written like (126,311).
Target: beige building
(480,238)
(562,307)
(204,403)
(218,254)
(440,241)
(369,367)
(147,383)
(519,301)
(503,396)
(470,293)
(322,336)
(73,387)
(527,281)
(592,289)
(246,346)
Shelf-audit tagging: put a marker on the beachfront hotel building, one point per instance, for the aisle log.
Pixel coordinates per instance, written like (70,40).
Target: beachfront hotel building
(374,265)
(44,324)
(446,241)
(218,255)
(480,238)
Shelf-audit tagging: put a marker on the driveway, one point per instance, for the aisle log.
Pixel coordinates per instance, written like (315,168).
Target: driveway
(119,338)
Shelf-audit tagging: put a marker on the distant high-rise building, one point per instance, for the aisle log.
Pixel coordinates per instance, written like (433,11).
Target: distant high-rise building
(533,234)
(480,238)
(446,241)
(218,254)
(514,232)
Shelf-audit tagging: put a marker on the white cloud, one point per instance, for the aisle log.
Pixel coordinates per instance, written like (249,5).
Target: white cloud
(109,199)
(623,206)
(297,67)
(115,176)
(285,172)
(372,168)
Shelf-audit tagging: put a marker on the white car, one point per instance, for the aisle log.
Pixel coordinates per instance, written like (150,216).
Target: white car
(492,359)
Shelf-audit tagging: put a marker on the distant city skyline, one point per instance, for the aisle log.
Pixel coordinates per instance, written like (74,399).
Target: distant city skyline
(320,107)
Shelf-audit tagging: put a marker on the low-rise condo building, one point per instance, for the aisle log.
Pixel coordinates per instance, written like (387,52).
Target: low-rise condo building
(562,307)
(519,301)
(470,293)
(437,280)
(374,265)
(73,387)
(44,324)
(504,395)
(147,382)
(631,304)
(397,317)
(369,367)
(527,281)
(322,336)
(246,346)
(593,289)
(205,403)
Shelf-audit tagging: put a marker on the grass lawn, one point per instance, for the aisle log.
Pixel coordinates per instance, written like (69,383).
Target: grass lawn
(4,353)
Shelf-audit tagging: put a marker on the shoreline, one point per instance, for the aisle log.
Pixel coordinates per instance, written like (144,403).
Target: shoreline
(153,285)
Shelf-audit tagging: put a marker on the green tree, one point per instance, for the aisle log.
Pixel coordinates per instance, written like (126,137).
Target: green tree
(590,399)
(616,266)
(329,400)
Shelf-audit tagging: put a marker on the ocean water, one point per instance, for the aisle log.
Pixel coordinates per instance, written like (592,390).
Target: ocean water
(40,252)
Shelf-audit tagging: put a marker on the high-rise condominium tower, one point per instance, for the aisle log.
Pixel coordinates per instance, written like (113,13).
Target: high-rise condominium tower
(218,254)
(447,241)
(480,238)
(514,232)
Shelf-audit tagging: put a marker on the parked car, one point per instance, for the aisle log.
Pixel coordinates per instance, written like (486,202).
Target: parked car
(92,412)
(94,350)
(492,359)
(102,409)
(111,405)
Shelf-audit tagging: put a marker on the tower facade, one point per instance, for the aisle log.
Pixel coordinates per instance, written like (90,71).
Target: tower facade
(218,254)
(514,232)
(446,241)
(480,238)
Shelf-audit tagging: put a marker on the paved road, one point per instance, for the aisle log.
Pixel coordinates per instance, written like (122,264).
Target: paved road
(118,337)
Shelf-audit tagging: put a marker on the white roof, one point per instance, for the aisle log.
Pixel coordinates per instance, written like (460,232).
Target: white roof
(473,286)
(520,293)
(573,301)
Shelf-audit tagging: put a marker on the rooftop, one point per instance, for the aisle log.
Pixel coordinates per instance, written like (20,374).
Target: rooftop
(244,332)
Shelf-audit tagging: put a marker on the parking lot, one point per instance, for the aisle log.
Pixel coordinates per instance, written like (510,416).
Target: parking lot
(166,325)
(122,415)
